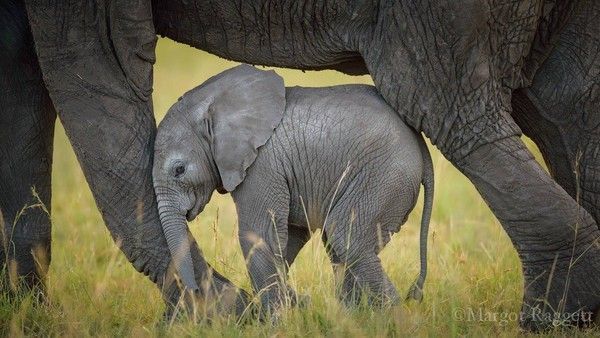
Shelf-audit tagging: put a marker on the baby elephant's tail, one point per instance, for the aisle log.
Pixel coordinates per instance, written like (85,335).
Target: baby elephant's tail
(416,290)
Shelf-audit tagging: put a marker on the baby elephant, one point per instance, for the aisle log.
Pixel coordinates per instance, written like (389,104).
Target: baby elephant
(294,159)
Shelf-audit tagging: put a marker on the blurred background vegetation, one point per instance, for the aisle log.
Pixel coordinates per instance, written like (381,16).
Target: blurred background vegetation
(95,291)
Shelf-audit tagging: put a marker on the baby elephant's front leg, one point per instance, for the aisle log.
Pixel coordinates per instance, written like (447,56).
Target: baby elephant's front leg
(263,209)
(267,269)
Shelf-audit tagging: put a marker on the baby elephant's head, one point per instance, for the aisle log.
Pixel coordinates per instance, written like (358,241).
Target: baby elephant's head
(206,141)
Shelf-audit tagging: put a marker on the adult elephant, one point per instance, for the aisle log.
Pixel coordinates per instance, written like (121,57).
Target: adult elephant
(456,70)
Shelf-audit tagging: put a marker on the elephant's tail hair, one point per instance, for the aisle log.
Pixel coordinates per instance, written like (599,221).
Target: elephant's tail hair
(416,290)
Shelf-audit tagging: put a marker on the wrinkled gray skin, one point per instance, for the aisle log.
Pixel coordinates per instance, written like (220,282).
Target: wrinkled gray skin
(471,75)
(295,160)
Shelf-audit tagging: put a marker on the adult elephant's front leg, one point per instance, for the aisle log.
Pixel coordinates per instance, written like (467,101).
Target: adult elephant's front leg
(26,133)
(560,111)
(453,87)
(97,58)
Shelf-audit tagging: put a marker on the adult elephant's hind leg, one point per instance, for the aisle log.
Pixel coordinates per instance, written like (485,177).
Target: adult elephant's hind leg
(458,97)
(556,239)
(26,133)
(560,111)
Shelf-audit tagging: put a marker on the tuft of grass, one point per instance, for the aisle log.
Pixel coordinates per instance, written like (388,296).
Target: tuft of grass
(474,273)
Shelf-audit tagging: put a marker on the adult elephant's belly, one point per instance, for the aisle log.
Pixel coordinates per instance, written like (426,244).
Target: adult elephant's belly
(292,36)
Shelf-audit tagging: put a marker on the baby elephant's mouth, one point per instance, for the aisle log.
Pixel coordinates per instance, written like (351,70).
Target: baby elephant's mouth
(194,211)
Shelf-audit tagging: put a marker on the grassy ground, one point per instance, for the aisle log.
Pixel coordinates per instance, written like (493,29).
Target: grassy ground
(474,285)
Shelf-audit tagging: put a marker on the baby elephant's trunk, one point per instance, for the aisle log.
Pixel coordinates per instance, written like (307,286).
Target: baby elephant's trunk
(175,230)
(416,290)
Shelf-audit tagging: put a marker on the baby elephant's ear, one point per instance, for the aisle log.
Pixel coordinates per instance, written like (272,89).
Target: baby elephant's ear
(243,118)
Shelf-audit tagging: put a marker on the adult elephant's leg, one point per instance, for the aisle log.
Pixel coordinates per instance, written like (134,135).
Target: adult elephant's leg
(561,109)
(26,133)
(97,58)
(450,81)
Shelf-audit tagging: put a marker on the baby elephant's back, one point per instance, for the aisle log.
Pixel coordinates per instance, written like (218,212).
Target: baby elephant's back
(351,119)
(348,132)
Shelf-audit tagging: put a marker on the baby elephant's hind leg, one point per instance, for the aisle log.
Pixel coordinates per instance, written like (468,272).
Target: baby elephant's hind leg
(352,245)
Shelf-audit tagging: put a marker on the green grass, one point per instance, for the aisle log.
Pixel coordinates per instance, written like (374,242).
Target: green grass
(93,290)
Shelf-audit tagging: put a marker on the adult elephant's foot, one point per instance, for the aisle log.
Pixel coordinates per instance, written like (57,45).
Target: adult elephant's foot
(217,295)
(556,239)
(562,292)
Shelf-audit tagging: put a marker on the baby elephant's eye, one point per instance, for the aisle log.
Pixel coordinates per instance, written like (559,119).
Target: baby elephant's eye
(179,170)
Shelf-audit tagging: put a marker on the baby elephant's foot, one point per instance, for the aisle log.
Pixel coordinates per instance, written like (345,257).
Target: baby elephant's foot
(302,301)
(377,300)
(372,294)
(273,302)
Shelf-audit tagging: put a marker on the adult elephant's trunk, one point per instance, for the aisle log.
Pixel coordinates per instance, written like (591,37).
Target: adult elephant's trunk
(175,228)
